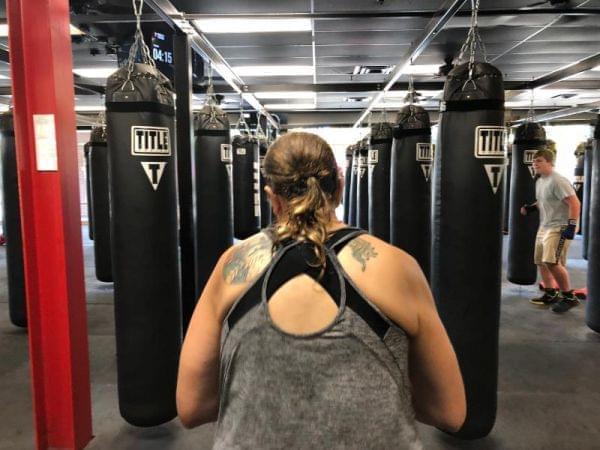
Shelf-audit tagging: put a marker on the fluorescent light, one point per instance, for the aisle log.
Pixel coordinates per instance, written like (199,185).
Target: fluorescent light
(282,106)
(596,69)
(3,77)
(98,72)
(269,71)
(285,94)
(252,25)
(516,104)
(89,108)
(423,69)
(390,105)
(72,29)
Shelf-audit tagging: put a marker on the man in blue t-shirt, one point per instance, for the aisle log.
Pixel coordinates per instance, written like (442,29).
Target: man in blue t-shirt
(559,208)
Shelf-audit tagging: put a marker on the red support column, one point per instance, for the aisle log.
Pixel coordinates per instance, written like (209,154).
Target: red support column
(43,97)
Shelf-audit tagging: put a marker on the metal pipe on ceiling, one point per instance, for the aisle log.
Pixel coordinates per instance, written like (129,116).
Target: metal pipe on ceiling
(175,19)
(447,10)
(565,112)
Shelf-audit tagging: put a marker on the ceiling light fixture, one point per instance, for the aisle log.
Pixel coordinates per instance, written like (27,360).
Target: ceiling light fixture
(285,94)
(236,25)
(72,29)
(288,106)
(95,72)
(270,71)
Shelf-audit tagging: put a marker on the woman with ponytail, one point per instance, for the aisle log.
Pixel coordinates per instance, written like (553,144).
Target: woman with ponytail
(314,334)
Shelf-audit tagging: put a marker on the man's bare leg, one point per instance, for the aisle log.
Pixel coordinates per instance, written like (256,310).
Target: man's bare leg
(547,277)
(560,274)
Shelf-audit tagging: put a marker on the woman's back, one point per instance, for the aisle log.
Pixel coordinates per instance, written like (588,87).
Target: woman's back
(307,363)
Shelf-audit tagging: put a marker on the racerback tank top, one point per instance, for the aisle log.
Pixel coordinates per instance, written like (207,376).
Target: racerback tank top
(344,387)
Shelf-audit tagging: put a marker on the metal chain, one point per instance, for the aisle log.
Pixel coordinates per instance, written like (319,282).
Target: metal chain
(384,112)
(259,133)
(411,96)
(531,111)
(472,42)
(138,44)
(241,121)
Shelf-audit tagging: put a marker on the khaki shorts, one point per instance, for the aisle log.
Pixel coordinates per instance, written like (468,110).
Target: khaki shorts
(550,248)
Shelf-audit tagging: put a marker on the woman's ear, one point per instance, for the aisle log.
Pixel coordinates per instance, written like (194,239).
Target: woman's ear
(276,201)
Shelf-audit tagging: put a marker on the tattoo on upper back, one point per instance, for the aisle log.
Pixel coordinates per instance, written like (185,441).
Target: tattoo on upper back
(362,251)
(247,260)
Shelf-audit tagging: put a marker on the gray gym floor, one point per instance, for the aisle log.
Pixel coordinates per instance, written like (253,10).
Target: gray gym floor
(549,391)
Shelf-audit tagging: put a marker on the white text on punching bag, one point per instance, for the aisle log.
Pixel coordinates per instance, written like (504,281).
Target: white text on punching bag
(150,141)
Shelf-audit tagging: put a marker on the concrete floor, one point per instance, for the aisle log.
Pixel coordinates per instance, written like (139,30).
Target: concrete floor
(549,385)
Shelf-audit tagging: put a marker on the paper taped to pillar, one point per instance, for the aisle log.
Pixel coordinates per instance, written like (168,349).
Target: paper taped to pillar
(100,202)
(265,205)
(410,197)
(17,306)
(352,207)
(529,138)
(213,190)
(144,237)
(467,231)
(587,197)
(378,160)
(592,310)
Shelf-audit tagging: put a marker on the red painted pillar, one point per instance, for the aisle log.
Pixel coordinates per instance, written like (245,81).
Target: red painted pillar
(43,97)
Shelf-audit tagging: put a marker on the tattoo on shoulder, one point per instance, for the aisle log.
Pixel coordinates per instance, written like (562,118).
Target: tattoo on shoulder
(362,251)
(247,260)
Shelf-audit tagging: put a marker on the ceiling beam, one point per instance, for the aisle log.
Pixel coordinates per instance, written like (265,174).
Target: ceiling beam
(565,112)
(447,10)
(333,15)
(564,72)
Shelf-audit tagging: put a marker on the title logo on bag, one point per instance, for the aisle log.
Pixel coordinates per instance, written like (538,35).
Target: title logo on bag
(528,161)
(373,157)
(426,169)
(494,173)
(425,151)
(489,141)
(226,155)
(150,141)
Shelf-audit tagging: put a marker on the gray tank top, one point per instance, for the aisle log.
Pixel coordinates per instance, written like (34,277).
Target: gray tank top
(344,387)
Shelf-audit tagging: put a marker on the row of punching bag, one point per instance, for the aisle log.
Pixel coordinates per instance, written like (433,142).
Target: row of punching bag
(453,226)
(387,187)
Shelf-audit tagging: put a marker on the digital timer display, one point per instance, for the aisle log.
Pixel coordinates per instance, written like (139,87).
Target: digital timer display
(162,52)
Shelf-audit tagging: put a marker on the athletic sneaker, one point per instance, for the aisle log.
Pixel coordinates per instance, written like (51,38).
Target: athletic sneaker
(550,296)
(567,302)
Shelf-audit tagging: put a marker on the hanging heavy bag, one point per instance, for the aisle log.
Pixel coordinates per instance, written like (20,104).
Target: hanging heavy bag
(592,310)
(529,138)
(347,184)
(17,306)
(88,189)
(506,187)
(587,192)
(99,196)
(410,199)
(213,215)
(467,231)
(578,183)
(362,186)
(353,203)
(246,201)
(265,205)
(378,160)
(144,238)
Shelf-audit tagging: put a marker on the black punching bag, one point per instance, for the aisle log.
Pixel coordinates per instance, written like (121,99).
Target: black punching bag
(353,186)
(145,249)
(529,138)
(506,204)
(380,153)
(347,183)
(579,183)
(587,191)
(265,206)
(467,232)
(592,310)
(17,306)
(88,189)
(246,202)
(99,195)
(213,215)
(362,186)
(411,168)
